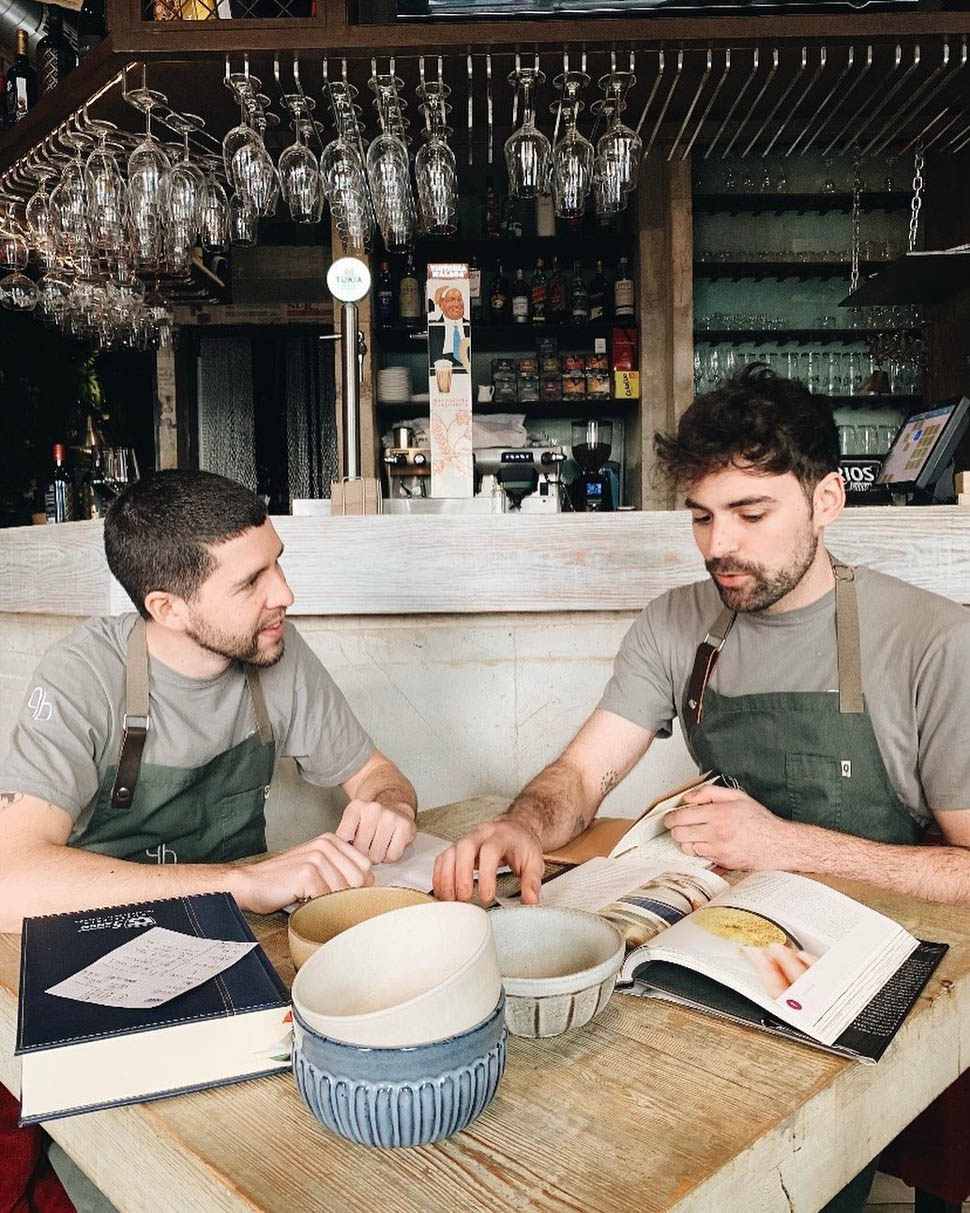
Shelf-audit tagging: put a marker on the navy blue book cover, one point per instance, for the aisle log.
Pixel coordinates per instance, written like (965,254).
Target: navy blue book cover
(56,946)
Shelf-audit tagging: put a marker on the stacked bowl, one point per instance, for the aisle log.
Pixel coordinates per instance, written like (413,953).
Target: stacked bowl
(399,1027)
(394,385)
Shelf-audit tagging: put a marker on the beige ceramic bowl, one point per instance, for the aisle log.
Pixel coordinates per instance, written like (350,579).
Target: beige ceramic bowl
(324,917)
(558,967)
(405,978)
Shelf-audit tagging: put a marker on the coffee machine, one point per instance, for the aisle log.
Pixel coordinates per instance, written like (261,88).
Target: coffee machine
(529,478)
(407,466)
(592,443)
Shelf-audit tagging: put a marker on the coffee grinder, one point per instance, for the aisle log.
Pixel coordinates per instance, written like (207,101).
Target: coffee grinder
(592,444)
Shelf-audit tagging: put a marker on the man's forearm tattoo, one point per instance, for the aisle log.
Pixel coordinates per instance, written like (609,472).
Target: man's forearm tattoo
(608,782)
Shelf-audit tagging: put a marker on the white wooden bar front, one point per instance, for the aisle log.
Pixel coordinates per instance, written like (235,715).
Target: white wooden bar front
(649,1108)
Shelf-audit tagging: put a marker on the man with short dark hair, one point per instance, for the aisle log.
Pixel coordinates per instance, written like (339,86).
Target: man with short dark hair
(847,751)
(142,757)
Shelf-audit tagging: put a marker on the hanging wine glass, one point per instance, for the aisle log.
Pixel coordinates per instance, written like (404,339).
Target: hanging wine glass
(107,196)
(17,291)
(39,217)
(620,148)
(573,154)
(214,222)
(388,168)
(528,156)
(183,187)
(69,203)
(147,167)
(344,173)
(435,169)
(298,168)
(244,88)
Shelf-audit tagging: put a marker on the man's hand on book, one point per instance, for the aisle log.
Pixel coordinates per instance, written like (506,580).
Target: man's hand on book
(732,829)
(382,832)
(322,865)
(487,848)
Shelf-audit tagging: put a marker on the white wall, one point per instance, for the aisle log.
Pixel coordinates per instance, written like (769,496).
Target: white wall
(465,704)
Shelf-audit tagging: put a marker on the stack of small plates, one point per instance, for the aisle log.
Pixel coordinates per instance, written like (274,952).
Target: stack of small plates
(394,385)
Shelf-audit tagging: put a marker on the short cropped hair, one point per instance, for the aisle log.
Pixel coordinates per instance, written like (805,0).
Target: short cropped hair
(755,419)
(159,532)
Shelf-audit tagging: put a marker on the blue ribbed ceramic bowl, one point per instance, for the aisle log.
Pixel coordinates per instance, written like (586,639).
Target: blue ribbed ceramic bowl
(404,1096)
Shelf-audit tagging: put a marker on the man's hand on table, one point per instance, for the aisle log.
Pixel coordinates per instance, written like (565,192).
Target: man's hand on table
(322,865)
(487,848)
(734,830)
(382,832)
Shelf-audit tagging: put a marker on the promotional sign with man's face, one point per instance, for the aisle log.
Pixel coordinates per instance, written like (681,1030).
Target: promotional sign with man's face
(450,380)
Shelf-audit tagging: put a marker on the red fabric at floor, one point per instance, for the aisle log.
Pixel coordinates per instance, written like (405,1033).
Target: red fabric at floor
(931,1153)
(27,1180)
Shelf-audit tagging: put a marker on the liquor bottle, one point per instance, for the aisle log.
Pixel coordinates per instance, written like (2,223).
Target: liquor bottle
(92,28)
(539,294)
(385,296)
(511,219)
(410,297)
(60,503)
(623,291)
(21,83)
(475,288)
(598,308)
(578,296)
(499,298)
(545,215)
(556,296)
(55,57)
(491,225)
(520,298)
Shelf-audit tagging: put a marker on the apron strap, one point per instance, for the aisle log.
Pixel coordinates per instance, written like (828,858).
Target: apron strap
(135,719)
(705,659)
(259,704)
(847,636)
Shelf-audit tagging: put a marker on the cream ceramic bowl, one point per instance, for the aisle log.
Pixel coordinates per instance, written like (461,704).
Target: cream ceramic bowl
(408,977)
(558,967)
(316,921)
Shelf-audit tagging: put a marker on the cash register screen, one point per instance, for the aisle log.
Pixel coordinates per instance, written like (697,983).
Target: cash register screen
(924,444)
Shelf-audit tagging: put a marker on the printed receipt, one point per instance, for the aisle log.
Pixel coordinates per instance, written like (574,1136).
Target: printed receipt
(151,969)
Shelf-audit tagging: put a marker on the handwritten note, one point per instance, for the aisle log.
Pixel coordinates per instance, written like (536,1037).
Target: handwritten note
(151,969)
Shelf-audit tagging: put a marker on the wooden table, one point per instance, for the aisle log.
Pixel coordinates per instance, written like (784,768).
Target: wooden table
(650,1107)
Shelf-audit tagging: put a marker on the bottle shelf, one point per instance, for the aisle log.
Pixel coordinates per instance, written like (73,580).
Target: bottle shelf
(782,269)
(746,204)
(492,338)
(567,406)
(783,336)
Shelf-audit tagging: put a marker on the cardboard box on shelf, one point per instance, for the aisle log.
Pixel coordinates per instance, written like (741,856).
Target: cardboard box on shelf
(626,385)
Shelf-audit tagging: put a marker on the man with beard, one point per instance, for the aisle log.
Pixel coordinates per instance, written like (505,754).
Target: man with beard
(143,754)
(836,697)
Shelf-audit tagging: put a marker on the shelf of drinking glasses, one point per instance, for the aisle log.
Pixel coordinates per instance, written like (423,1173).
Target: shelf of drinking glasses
(800,336)
(781,269)
(874,400)
(493,338)
(746,204)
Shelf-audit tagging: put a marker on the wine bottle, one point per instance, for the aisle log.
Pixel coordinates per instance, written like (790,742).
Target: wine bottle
(520,298)
(55,57)
(499,298)
(539,294)
(578,296)
(410,297)
(60,500)
(475,288)
(597,295)
(385,296)
(92,28)
(21,83)
(556,296)
(623,291)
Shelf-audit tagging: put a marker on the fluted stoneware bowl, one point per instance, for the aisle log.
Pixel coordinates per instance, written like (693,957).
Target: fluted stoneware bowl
(405,1096)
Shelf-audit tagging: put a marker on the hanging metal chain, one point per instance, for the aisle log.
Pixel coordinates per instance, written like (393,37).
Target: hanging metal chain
(919,184)
(856,222)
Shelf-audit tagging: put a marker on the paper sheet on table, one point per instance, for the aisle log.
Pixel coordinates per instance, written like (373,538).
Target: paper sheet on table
(599,882)
(415,868)
(151,969)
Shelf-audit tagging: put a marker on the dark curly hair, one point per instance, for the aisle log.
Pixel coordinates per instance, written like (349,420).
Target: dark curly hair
(756,419)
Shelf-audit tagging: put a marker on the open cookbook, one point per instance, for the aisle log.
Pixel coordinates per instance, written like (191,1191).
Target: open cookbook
(776,951)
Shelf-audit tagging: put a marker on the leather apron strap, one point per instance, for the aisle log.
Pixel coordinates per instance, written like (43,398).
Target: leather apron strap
(705,659)
(847,638)
(135,720)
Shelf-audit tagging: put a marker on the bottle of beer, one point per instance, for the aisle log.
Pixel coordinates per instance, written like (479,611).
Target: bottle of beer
(60,500)
(410,297)
(556,296)
(578,296)
(21,83)
(499,298)
(385,296)
(598,307)
(520,298)
(539,294)
(623,305)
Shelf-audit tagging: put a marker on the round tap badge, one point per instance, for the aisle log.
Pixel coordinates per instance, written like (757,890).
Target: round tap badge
(348,279)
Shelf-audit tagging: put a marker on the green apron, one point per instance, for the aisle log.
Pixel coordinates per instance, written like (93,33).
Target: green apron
(159,814)
(807,756)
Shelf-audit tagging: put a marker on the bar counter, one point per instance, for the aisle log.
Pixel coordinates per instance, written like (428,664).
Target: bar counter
(471,648)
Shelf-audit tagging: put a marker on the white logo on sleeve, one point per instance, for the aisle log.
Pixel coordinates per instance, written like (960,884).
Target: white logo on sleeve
(40,706)
(846,768)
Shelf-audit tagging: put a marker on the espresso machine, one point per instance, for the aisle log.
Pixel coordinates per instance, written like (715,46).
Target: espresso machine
(528,478)
(592,443)
(407,466)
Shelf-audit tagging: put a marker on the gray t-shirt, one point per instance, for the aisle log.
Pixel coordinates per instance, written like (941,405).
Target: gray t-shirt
(69,730)
(915,673)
